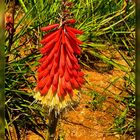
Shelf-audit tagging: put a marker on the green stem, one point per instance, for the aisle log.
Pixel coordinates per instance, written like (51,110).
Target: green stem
(23,6)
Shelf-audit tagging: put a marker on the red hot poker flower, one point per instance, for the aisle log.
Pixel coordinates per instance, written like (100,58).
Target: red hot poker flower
(59,73)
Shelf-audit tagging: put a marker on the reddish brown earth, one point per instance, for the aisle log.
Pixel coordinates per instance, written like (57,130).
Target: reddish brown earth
(86,123)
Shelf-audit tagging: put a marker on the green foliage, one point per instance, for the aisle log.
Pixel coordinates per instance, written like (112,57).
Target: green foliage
(21,111)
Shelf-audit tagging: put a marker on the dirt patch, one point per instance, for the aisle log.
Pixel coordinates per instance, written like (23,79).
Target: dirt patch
(84,123)
(93,121)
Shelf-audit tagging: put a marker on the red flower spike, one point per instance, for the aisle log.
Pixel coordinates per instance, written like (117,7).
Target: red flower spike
(56,79)
(40,69)
(76,66)
(68,45)
(65,93)
(67,75)
(49,27)
(74,83)
(51,55)
(59,94)
(44,90)
(49,38)
(71,56)
(63,83)
(76,47)
(75,73)
(45,65)
(49,82)
(70,21)
(69,71)
(52,72)
(41,83)
(49,66)
(80,73)
(61,90)
(41,60)
(59,72)
(63,37)
(54,88)
(75,31)
(72,36)
(63,52)
(69,64)
(47,47)
(62,62)
(42,74)
(80,80)
(68,86)
(58,35)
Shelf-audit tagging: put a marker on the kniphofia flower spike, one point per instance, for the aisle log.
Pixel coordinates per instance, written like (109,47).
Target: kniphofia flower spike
(59,73)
